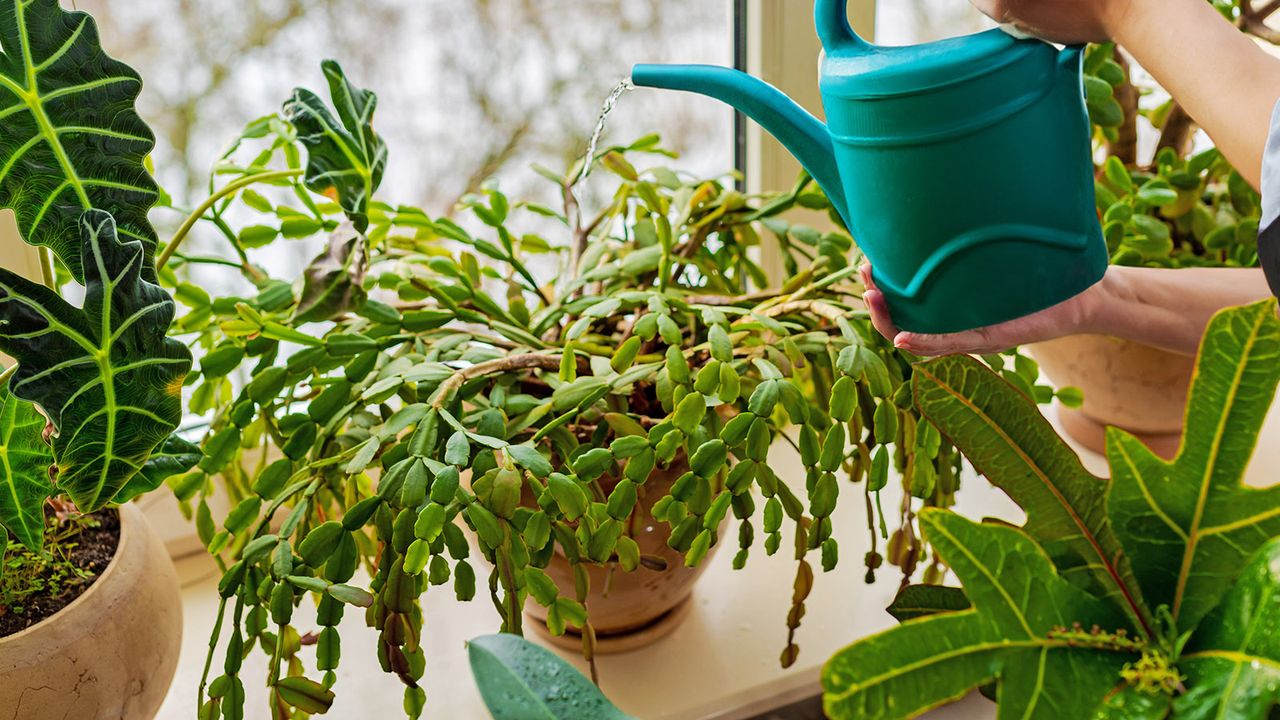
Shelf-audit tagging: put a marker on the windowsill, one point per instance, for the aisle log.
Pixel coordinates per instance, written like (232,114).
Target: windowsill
(721,664)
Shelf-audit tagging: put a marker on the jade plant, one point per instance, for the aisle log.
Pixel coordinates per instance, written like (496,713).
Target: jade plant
(88,412)
(1148,595)
(1182,205)
(517,373)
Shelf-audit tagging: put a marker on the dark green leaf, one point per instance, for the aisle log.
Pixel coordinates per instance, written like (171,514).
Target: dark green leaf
(72,140)
(915,601)
(570,496)
(521,681)
(106,375)
(1018,603)
(306,695)
(1009,441)
(320,543)
(1233,661)
(221,360)
(1189,526)
(24,476)
(345,157)
(529,458)
(333,283)
(573,394)
(176,455)
(350,595)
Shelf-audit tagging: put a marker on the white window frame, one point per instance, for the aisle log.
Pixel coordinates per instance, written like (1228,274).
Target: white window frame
(782,49)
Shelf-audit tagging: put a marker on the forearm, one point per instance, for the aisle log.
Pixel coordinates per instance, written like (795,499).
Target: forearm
(1220,76)
(1168,308)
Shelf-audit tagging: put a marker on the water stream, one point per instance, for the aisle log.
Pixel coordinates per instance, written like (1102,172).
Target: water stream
(618,91)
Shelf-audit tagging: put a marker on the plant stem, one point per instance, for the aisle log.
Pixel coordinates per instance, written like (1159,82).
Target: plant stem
(198,260)
(500,365)
(213,645)
(821,309)
(209,202)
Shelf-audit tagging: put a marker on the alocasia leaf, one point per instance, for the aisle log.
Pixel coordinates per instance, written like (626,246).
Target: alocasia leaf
(1232,662)
(1004,435)
(1190,525)
(24,470)
(71,138)
(334,281)
(345,157)
(105,374)
(175,455)
(521,681)
(1013,633)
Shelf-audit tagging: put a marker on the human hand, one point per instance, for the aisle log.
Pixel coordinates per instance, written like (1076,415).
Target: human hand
(1066,318)
(1064,21)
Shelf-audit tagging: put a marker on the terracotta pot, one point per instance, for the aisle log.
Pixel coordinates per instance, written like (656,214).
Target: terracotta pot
(639,607)
(1132,386)
(111,653)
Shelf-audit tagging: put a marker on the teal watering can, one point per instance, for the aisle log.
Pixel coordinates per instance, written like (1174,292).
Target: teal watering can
(962,168)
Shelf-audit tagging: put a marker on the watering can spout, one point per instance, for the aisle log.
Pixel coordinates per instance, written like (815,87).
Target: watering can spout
(801,133)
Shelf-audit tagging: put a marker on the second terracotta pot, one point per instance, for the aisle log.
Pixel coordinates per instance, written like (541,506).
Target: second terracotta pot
(1135,387)
(632,609)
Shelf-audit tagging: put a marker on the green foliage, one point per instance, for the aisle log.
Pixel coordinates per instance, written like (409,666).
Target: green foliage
(72,167)
(174,456)
(1180,209)
(1008,442)
(346,158)
(1130,598)
(1014,632)
(1189,525)
(334,282)
(105,375)
(28,573)
(24,476)
(72,140)
(1231,660)
(915,601)
(560,361)
(522,681)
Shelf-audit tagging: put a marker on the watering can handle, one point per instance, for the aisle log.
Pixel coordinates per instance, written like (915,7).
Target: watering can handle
(832,19)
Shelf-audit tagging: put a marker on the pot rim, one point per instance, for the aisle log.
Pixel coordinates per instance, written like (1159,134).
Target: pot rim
(128,518)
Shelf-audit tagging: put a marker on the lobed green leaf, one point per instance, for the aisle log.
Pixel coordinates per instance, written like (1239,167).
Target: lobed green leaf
(105,375)
(72,139)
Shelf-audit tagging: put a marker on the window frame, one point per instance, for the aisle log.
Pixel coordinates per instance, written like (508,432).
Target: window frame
(775,41)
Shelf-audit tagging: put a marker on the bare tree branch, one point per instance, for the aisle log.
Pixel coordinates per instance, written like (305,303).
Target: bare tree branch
(1125,148)
(1178,132)
(1253,21)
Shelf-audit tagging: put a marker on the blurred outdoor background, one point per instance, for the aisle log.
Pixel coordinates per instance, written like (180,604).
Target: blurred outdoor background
(468,89)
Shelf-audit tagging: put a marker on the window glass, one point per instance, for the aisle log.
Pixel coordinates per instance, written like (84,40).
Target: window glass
(903,22)
(467,90)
